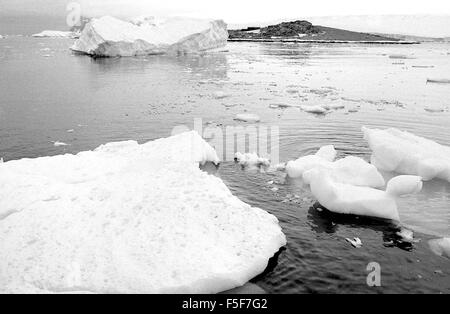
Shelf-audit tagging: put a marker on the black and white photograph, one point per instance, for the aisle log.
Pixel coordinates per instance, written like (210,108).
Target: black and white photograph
(224,153)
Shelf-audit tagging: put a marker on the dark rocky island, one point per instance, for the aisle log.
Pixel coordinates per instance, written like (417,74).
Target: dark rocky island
(304,31)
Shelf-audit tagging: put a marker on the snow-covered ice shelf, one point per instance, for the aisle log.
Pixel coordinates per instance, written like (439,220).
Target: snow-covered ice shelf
(128,218)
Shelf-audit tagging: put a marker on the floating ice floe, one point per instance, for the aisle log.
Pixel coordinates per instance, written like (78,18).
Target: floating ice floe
(405,153)
(60,34)
(251,160)
(439,81)
(356,242)
(128,218)
(247,117)
(220,95)
(343,198)
(440,247)
(314,109)
(58,144)
(349,170)
(112,37)
(1,37)
(435,109)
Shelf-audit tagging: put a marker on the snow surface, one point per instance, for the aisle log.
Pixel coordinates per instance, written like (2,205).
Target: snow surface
(128,218)
(345,198)
(111,37)
(349,170)
(440,247)
(54,34)
(406,153)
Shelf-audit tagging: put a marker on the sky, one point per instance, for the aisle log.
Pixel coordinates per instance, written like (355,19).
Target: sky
(258,12)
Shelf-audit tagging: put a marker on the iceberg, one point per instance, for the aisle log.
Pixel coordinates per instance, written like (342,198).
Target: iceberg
(343,198)
(405,153)
(440,247)
(55,34)
(129,218)
(349,170)
(111,37)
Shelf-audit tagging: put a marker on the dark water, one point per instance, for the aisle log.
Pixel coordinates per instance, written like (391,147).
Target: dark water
(47,94)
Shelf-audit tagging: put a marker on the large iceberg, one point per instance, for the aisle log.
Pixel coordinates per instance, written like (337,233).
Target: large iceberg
(406,153)
(349,170)
(111,37)
(128,218)
(344,198)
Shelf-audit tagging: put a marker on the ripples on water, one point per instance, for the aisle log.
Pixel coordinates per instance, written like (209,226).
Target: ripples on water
(47,94)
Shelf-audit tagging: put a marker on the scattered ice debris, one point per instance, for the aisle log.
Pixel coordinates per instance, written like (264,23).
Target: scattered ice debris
(423,66)
(314,109)
(247,117)
(47,56)
(356,242)
(220,95)
(251,160)
(59,144)
(353,110)
(343,198)
(70,131)
(111,37)
(129,218)
(439,81)
(60,34)
(1,37)
(440,247)
(350,170)
(402,152)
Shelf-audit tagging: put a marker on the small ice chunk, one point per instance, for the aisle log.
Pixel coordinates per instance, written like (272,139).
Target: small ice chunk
(334,106)
(345,198)
(251,160)
(406,235)
(356,242)
(327,152)
(438,81)
(220,95)
(59,144)
(314,109)
(435,109)
(440,247)
(350,170)
(247,117)
(403,185)
(406,153)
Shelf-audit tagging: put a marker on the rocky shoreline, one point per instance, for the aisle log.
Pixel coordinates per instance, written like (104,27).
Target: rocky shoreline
(305,32)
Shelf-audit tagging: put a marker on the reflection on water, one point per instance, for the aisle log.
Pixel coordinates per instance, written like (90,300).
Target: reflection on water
(48,94)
